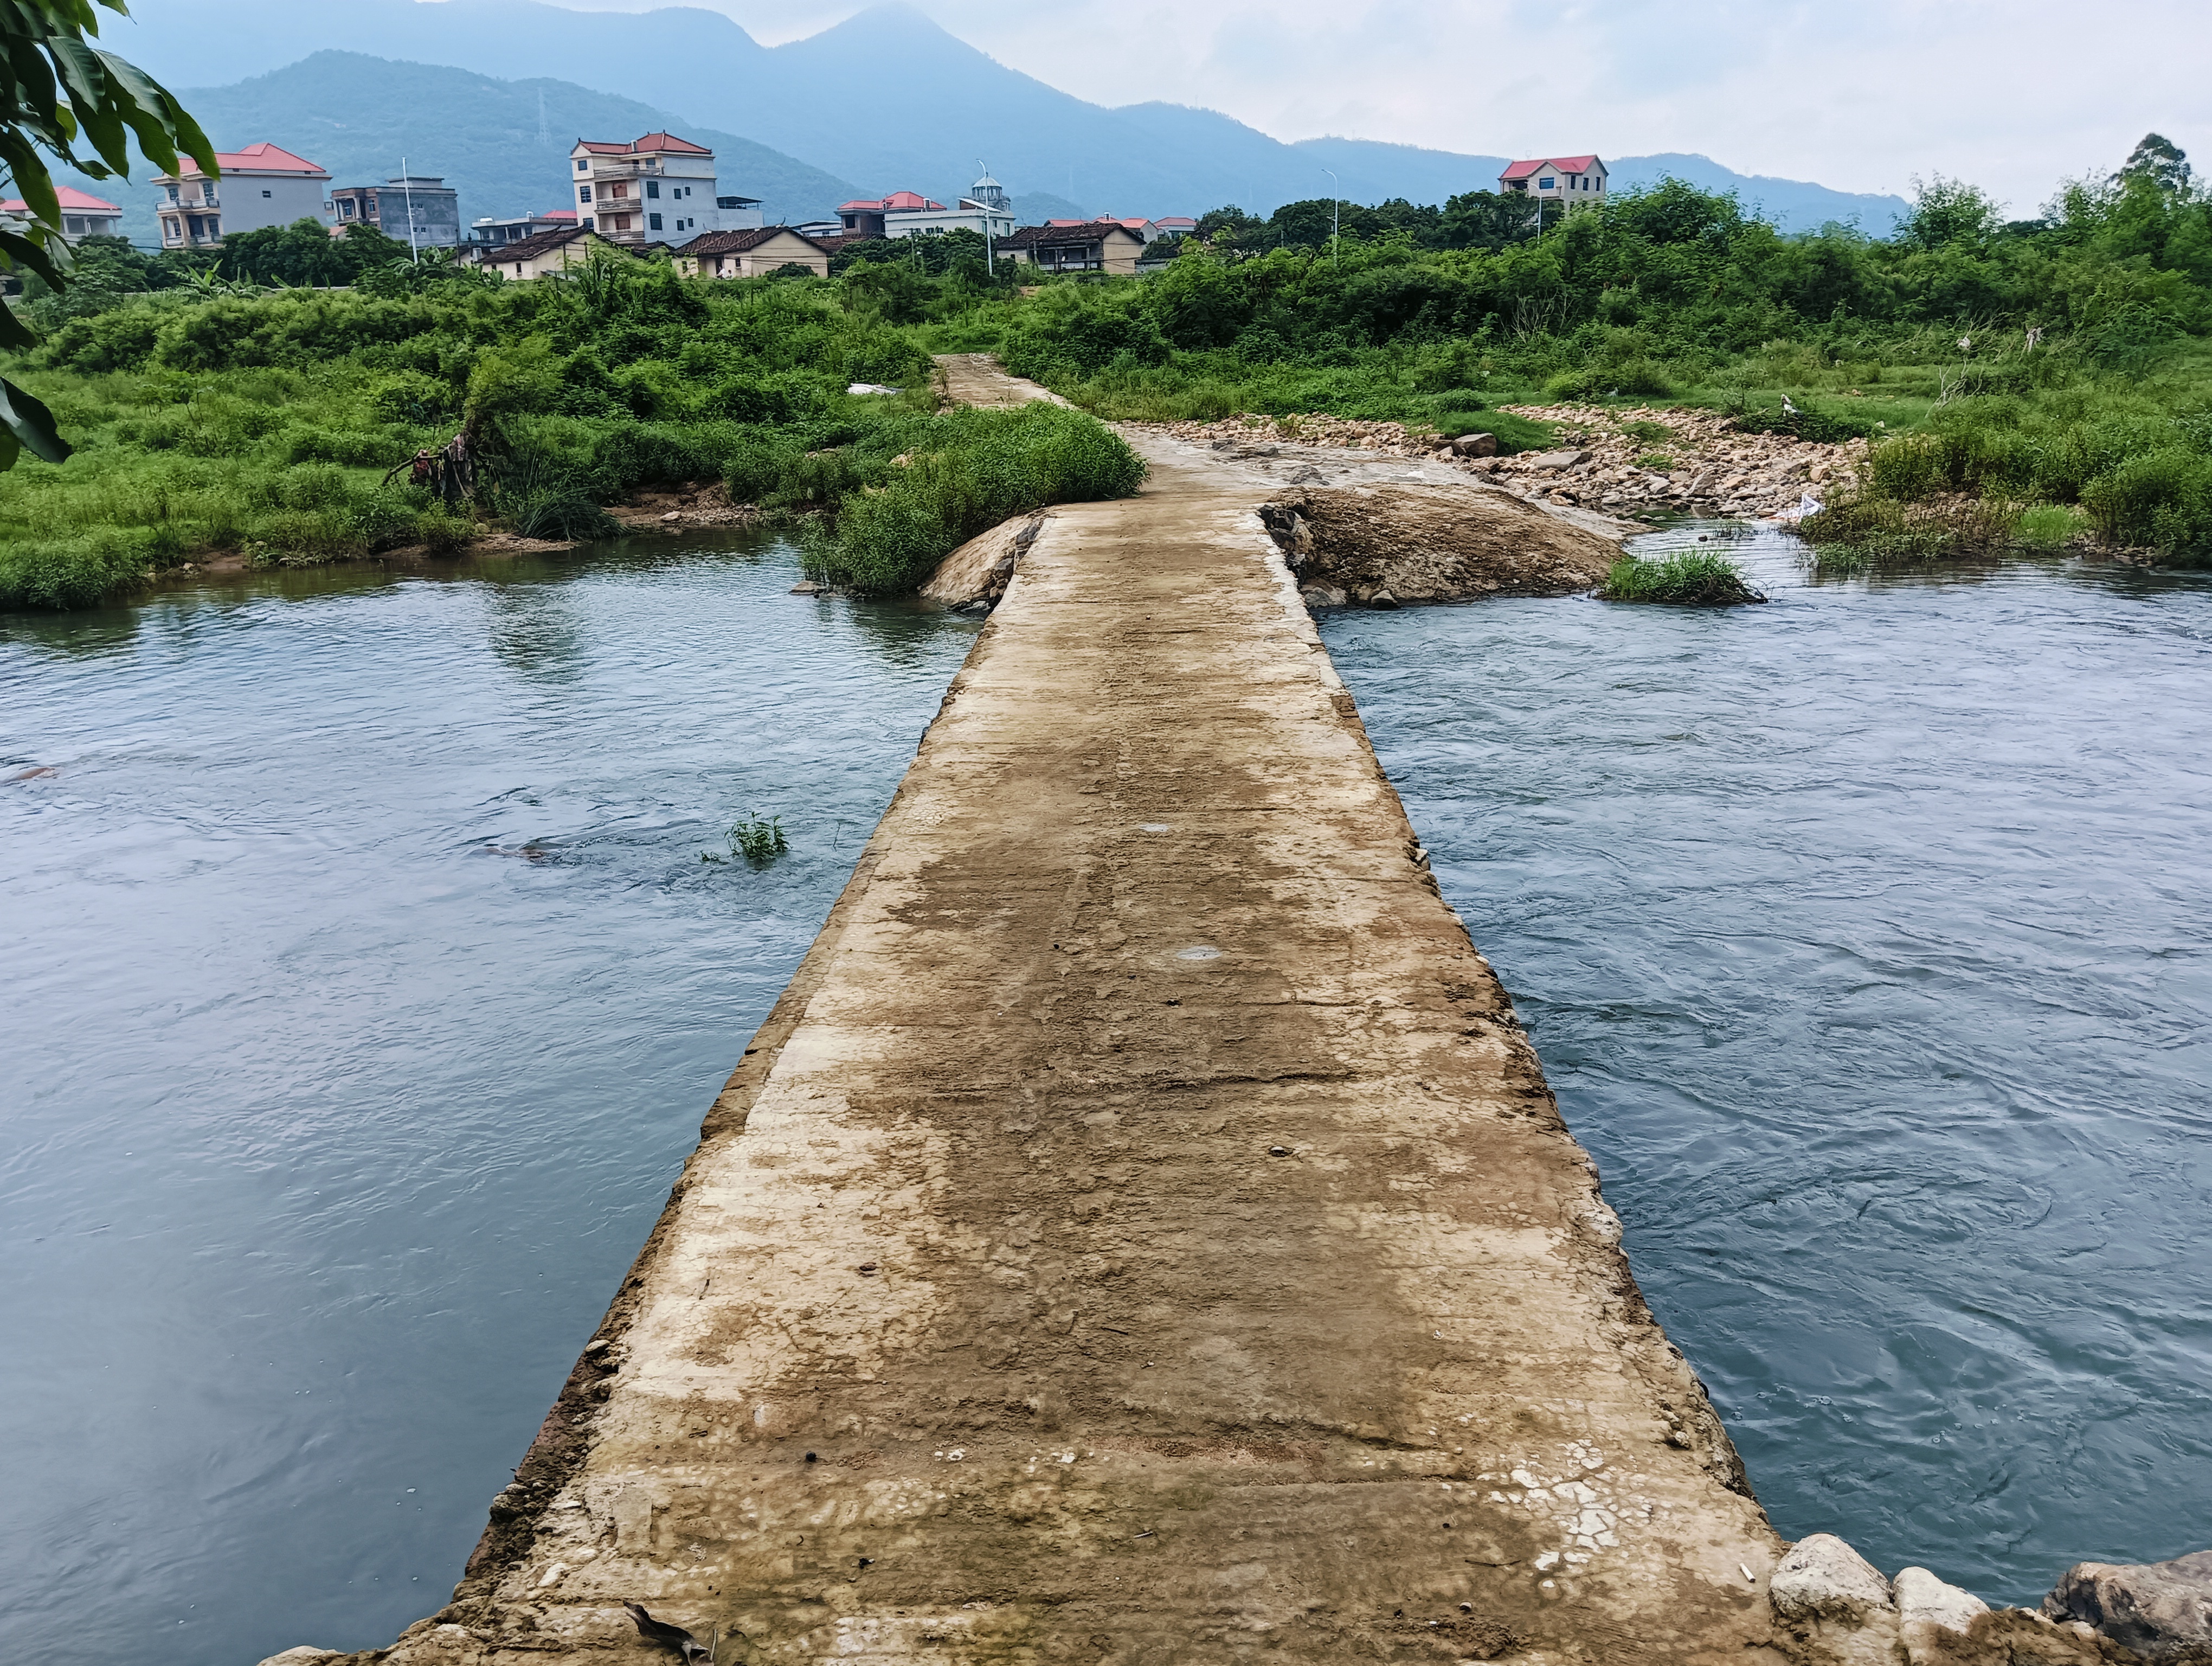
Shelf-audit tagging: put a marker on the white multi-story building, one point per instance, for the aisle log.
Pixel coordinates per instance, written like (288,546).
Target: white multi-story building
(261,185)
(657,189)
(985,210)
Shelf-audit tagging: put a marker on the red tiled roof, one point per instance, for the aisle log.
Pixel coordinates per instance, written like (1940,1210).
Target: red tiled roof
(601,147)
(73,201)
(666,142)
(1175,220)
(263,158)
(529,248)
(1522,170)
(897,202)
(558,214)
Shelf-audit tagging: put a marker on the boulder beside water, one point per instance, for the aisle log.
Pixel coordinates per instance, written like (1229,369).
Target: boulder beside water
(2162,1610)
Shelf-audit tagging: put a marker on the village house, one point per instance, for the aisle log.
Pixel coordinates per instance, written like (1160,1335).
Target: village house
(419,210)
(548,251)
(83,215)
(655,188)
(261,185)
(490,234)
(986,211)
(1078,246)
(1577,181)
(753,253)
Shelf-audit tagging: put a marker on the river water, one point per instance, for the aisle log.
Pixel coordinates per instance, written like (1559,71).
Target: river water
(1866,938)
(365,992)
(366,989)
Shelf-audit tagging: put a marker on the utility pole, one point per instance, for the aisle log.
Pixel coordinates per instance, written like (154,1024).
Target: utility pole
(407,193)
(990,260)
(1335,203)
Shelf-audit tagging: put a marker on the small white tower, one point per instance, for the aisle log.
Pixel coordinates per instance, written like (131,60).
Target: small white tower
(990,193)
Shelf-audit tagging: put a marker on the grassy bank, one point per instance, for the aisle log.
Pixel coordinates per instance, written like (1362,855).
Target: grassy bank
(269,424)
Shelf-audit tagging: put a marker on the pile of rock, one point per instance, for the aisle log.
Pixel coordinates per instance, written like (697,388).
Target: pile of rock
(1832,1608)
(1702,466)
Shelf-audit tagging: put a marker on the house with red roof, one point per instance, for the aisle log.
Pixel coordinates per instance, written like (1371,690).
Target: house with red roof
(657,188)
(264,184)
(83,214)
(1577,181)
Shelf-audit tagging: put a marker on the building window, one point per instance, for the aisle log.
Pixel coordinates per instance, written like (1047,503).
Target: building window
(621,222)
(1543,184)
(618,189)
(207,191)
(583,193)
(582,162)
(267,193)
(589,225)
(653,221)
(653,189)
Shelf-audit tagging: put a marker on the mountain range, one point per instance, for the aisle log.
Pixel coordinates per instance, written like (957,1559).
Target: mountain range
(882,101)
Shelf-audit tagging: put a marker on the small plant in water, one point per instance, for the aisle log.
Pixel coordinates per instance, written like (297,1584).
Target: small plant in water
(758,839)
(1681,581)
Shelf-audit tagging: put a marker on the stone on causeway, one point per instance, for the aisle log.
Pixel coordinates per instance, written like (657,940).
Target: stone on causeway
(2162,1610)
(1927,1608)
(1824,1578)
(1832,1607)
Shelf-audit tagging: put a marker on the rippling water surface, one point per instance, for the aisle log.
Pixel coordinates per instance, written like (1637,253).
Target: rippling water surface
(1867,938)
(365,990)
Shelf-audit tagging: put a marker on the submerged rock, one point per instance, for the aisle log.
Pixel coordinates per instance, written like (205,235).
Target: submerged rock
(2162,1610)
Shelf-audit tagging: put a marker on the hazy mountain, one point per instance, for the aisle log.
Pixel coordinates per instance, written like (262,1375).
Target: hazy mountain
(503,145)
(886,98)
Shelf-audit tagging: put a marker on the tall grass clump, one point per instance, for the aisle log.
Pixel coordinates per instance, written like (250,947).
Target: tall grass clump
(960,474)
(1690,579)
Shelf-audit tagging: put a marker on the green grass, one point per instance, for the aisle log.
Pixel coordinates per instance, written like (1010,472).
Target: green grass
(1680,580)
(918,488)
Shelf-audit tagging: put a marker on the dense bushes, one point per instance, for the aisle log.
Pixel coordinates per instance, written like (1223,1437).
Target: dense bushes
(920,486)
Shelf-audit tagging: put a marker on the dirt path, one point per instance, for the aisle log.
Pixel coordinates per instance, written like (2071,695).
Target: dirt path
(1142,1233)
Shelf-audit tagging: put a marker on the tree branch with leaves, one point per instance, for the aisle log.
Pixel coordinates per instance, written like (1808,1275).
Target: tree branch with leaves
(61,97)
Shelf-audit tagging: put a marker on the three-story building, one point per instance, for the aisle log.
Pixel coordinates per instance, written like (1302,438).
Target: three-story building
(656,189)
(262,185)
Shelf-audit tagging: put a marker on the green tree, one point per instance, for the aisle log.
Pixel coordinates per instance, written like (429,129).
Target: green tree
(83,106)
(1948,213)
(2162,162)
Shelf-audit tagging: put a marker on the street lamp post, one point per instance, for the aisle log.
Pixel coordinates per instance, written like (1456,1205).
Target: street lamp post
(407,195)
(1335,203)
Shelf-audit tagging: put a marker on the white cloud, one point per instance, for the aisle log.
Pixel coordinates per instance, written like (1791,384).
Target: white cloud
(1860,97)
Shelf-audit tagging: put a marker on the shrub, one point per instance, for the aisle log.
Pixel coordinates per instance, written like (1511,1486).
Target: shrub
(1637,378)
(2161,501)
(971,470)
(1680,580)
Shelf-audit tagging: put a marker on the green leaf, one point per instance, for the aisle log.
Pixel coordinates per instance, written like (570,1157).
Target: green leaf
(30,425)
(92,97)
(162,127)
(48,261)
(31,176)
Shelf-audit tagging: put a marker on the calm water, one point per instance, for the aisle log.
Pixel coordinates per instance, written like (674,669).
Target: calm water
(329,1130)
(1867,938)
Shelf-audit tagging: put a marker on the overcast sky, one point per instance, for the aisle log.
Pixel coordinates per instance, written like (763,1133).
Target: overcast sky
(1859,94)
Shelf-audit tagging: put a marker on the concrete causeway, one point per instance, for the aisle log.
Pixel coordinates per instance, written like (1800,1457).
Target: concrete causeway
(1142,1232)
